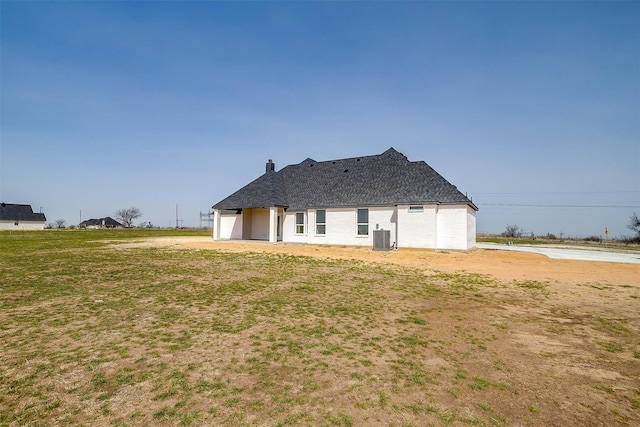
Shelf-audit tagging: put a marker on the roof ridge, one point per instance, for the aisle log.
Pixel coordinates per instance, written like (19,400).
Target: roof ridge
(390,152)
(380,179)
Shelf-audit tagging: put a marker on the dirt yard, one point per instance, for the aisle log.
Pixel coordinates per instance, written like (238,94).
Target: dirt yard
(501,265)
(169,331)
(566,331)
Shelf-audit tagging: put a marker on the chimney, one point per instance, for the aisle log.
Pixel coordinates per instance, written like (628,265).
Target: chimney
(271,167)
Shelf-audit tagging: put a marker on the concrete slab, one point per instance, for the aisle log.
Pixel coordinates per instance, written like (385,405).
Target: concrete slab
(567,253)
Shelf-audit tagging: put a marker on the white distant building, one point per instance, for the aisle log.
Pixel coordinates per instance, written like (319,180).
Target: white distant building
(20,217)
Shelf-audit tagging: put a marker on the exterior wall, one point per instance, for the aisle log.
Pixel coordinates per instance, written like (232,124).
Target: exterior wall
(230,226)
(259,224)
(437,227)
(22,225)
(247,216)
(289,228)
(416,229)
(453,232)
(434,227)
(341,227)
(382,219)
(471,228)
(251,224)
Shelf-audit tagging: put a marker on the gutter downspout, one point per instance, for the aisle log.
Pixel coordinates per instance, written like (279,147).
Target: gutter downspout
(396,243)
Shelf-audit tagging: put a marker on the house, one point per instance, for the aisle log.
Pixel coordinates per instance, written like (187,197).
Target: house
(20,217)
(341,202)
(106,222)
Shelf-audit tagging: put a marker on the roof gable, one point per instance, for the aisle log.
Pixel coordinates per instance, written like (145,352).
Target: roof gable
(265,191)
(378,180)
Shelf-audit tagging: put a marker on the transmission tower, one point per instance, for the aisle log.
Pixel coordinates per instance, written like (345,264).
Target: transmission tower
(207,217)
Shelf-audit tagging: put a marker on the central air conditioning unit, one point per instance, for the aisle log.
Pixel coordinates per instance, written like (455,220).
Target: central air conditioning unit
(381,240)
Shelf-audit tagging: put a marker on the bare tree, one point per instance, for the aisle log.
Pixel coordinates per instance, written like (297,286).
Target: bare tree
(126,216)
(60,223)
(634,224)
(512,231)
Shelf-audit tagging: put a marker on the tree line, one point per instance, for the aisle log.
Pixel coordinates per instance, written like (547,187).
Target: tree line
(514,231)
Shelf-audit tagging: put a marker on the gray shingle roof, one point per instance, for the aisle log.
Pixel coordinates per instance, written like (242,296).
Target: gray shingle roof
(386,179)
(107,222)
(13,212)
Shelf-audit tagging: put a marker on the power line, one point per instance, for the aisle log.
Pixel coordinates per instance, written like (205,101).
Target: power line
(558,192)
(559,206)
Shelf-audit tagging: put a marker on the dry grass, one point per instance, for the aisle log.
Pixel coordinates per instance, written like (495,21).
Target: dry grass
(94,334)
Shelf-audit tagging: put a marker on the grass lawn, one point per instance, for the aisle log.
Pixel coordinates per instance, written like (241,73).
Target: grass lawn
(94,334)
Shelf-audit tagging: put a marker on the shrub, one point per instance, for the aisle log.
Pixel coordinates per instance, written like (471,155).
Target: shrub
(635,240)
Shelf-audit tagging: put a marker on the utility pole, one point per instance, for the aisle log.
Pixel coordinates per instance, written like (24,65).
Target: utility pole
(178,220)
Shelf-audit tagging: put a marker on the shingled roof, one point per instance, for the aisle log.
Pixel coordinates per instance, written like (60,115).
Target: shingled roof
(107,222)
(386,179)
(15,212)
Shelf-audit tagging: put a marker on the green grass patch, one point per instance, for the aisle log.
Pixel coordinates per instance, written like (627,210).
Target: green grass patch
(203,337)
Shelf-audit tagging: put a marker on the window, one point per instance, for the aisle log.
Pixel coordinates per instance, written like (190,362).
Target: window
(321,224)
(363,222)
(300,223)
(416,208)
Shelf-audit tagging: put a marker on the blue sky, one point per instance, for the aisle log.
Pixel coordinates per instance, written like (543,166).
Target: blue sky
(531,108)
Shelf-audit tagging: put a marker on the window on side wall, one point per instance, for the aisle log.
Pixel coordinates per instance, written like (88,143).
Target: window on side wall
(363,222)
(299,222)
(321,221)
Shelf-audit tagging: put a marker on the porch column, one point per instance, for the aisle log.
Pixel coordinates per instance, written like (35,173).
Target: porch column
(273,224)
(216,224)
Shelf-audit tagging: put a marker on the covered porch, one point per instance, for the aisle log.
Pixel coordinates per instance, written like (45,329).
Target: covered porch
(256,223)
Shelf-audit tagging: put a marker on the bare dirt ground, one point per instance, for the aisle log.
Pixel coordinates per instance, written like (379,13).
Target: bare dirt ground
(501,265)
(566,332)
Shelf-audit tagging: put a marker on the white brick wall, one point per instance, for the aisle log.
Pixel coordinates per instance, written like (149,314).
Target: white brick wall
(22,225)
(437,227)
(230,226)
(452,227)
(340,227)
(471,228)
(441,227)
(289,229)
(416,229)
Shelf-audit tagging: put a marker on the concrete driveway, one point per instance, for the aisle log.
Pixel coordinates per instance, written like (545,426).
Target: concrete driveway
(556,252)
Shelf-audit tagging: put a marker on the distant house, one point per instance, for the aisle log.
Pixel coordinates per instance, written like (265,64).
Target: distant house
(106,222)
(20,217)
(342,202)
